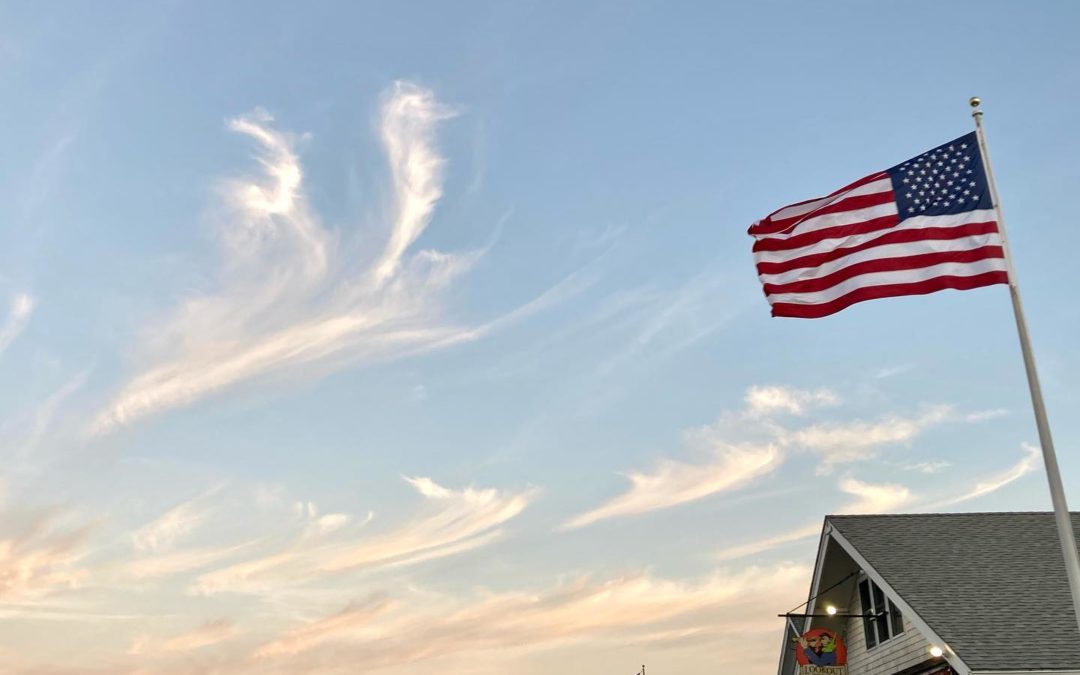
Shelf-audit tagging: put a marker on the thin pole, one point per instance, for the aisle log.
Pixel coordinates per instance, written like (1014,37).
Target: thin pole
(1053,474)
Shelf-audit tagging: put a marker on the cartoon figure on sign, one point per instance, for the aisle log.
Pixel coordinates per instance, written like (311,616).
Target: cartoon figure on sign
(820,647)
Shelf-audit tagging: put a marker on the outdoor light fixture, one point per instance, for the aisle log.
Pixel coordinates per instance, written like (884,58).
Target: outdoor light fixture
(936,652)
(830,610)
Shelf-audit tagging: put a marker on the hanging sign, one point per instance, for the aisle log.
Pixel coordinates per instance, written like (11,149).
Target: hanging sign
(820,651)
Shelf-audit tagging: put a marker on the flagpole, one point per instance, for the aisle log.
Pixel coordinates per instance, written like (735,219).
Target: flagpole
(1053,474)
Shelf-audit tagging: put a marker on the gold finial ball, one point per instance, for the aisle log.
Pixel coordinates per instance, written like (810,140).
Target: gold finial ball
(975,101)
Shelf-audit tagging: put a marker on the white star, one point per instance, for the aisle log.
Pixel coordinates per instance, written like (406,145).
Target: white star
(905,180)
(967,192)
(963,146)
(952,147)
(923,207)
(908,195)
(972,183)
(960,200)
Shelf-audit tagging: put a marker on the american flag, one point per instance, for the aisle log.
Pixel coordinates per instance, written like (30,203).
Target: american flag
(922,226)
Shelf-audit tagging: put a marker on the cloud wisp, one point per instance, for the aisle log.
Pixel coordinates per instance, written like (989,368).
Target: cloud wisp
(767,400)
(39,552)
(1030,461)
(633,607)
(162,533)
(728,465)
(209,634)
(452,522)
(890,498)
(674,482)
(22,306)
(287,296)
(732,465)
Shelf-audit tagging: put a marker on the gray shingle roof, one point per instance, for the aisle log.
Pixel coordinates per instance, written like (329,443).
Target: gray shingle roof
(991,585)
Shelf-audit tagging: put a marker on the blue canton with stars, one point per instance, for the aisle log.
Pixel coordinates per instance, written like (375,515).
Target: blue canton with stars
(948,179)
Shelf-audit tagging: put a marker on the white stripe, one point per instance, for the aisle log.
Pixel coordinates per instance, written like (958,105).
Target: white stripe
(882,252)
(814,223)
(915,223)
(883,185)
(884,278)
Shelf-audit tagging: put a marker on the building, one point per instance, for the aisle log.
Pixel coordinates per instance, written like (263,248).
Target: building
(936,594)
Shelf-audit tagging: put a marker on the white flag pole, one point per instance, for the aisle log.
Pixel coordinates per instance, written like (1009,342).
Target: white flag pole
(1053,474)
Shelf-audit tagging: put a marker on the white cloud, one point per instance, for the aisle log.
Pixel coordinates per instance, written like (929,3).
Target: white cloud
(343,625)
(629,609)
(674,482)
(984,415)
(22,306)
(874,498)
(162,533)
(728,465)
(39,553)
(209,634)
(929,466)
(768,400)
(837,443)
(892,371)
(1031,460)
(289,294)
(889,498)
(768,543)
(452,521)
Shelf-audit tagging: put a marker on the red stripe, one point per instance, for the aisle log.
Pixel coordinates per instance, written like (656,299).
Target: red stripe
(838,232)
(766,226)
(910,262)
(845,204)
(888,291)
(898,237)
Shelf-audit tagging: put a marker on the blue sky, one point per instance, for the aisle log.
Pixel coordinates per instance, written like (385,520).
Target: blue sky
(427,335)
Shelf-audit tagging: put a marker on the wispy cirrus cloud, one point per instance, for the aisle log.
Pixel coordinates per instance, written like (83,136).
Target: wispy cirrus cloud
(889,498)
(451,522)
(842,442)
(209,634)
(732,462)
(766,400)
(874,497)
(162,533)
(1030,461)
(290,293)
(632,607)
(345,624)
(22,306)
(39,552)
(674,482)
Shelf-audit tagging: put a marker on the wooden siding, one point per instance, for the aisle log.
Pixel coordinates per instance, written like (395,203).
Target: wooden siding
(890,657)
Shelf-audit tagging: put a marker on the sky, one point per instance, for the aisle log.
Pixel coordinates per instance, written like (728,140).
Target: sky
(405,337)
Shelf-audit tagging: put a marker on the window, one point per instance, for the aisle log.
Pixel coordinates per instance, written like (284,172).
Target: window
(886,622)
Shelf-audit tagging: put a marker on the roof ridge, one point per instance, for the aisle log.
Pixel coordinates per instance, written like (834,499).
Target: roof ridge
(945,515)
